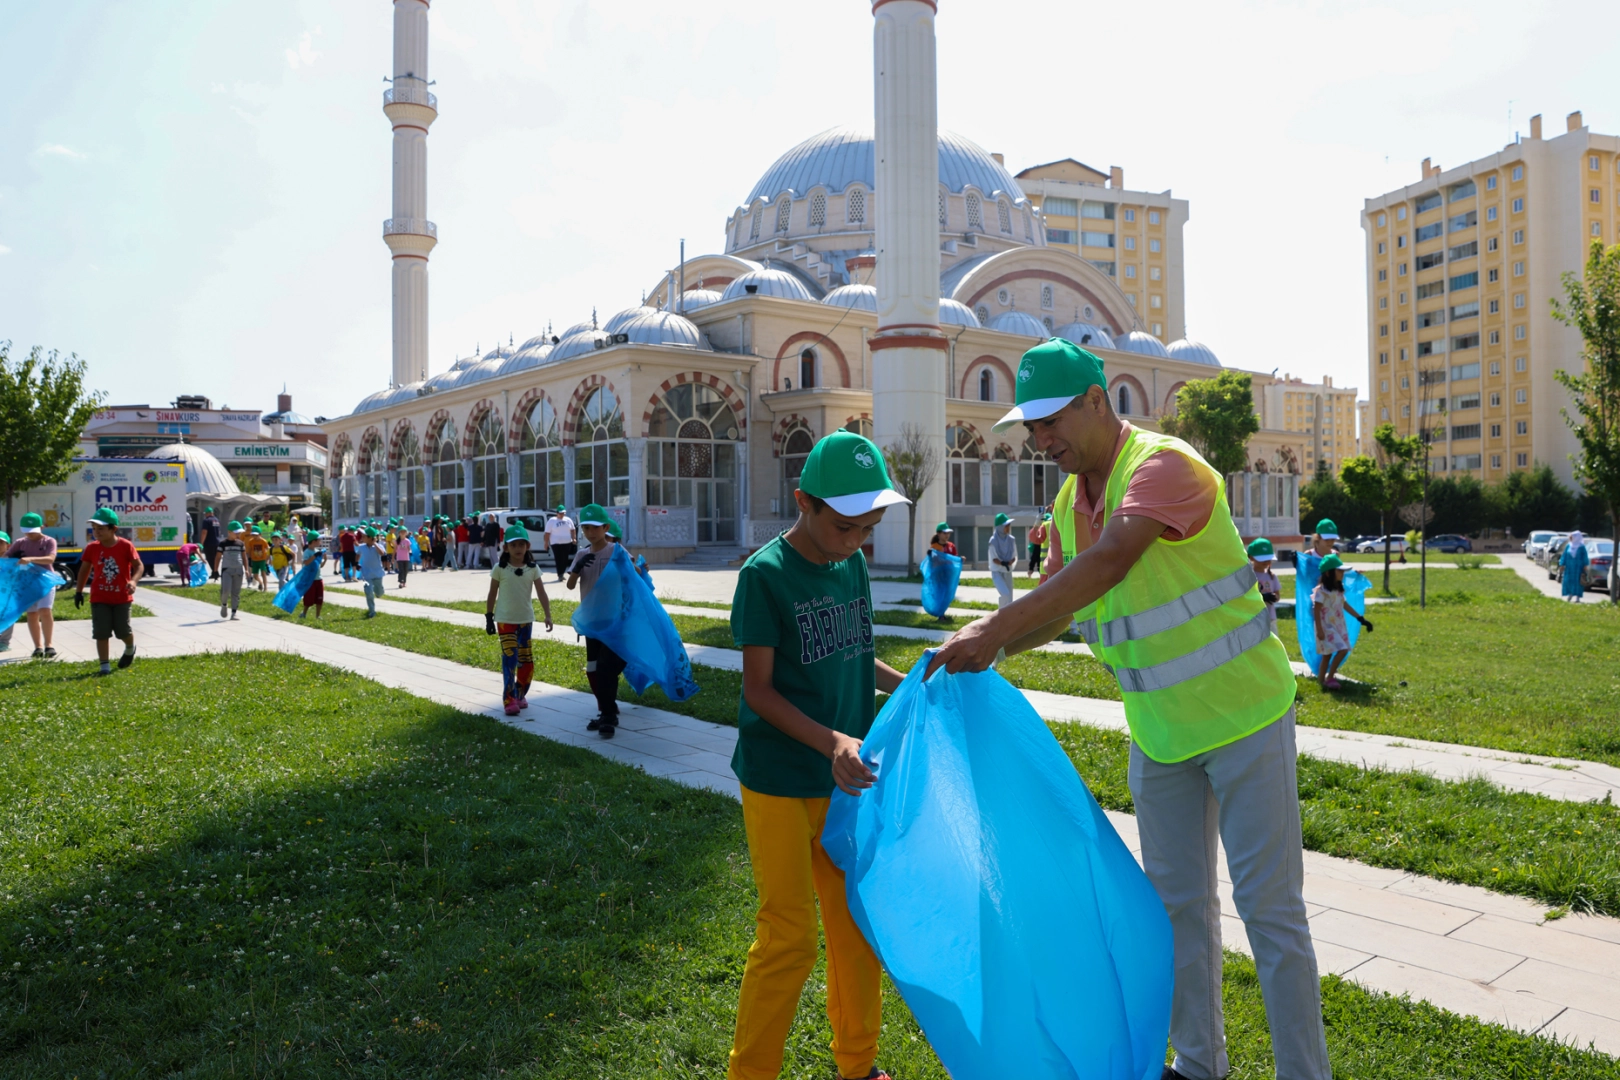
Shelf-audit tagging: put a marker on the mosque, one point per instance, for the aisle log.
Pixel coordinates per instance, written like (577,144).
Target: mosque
(690,415)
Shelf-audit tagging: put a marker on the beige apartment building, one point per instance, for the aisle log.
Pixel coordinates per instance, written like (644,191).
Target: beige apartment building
(1132,236)
(1461,267)
(1321,412)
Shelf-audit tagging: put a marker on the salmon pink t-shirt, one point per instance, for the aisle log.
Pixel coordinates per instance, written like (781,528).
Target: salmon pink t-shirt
(1166,487)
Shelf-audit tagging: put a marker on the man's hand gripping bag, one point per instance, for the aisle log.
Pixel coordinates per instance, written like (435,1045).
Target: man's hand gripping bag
(1004,906)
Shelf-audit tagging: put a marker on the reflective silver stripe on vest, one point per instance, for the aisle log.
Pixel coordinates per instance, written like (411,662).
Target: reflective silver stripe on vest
(1183,609)
(1088,631)
(1228,646)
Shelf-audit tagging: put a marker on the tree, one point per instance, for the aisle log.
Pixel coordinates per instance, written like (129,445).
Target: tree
(913,461)
(1458,503)
(1217,417)
(43,409)
(1593,307)
(1327,497)
(1532,499)
(1387,481)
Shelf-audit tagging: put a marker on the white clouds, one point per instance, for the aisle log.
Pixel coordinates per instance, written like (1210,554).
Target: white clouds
(58,150)
(4,250)
(304,55)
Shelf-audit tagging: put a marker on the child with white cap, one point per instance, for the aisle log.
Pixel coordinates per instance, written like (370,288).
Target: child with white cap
(1261,557)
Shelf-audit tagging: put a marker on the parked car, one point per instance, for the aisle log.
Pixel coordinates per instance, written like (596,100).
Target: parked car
(1549,555)
(1449,543)
(1600,555)
(1536,545)
(1375,545)
(1351,543)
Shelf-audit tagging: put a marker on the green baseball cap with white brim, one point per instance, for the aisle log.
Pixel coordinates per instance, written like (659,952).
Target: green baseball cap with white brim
(1327,529)
(32,522)
(1002,519)
(513,532)
(847,472)
(1260,550)
(943,526)
(1051,375)
(593,514)
(105,516)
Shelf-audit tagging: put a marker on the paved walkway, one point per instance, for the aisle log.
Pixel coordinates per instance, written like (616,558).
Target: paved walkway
(1465,949)
(1537,577)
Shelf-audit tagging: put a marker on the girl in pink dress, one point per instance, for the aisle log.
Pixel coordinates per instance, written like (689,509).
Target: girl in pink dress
(1328,608)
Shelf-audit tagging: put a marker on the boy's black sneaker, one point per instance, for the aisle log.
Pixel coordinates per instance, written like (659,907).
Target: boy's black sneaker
(595,724)
(39,654)
(127,659)
(609,726)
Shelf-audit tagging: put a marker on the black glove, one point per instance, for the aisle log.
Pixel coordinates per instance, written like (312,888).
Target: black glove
(78,599)
(590,557)
(1366,623)
(489,623)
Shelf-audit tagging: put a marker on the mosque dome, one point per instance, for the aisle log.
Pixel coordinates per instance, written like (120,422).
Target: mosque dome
(444,380)
(777,283)
(956,313)
(1018,322)
(863,297)
(499,352)
(1140,341)
(841,156)
(369,402)
(1194,352)
(615,323)
(534,342)
(649,326)
(487,368)
(204,473)
(535,351)
(698,299)
(401,395)
(1079,332)
(578,341)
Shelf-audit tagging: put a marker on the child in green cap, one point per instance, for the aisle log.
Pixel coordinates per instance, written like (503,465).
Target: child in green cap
(5,635)
(315,595)
(509,613)
(232,569)
(802,615)
(370,553)
(35,547)
(1329,607)
(111,566)
(603,666)
(1261,558)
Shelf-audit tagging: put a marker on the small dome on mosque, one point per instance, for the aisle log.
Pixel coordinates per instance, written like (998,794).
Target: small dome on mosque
(444,380)
(841,156)
(535,351)
(615,323)
(577,328)
(401,395)
(956,313)
(1018,322)
(698,299)
(777,283)
(1140,341)
(487,368)
(653,327)
(578,341)
(499,352)
(1194,352)
(535,342)
(863,297)
(371,401)
(1086,335)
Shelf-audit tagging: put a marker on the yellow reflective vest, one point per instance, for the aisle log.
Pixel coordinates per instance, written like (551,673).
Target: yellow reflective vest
(1185,633)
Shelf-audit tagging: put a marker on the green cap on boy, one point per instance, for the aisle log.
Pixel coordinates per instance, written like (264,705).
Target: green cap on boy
(847,472)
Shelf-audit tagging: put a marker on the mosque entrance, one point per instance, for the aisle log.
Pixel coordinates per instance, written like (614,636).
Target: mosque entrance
(692,459)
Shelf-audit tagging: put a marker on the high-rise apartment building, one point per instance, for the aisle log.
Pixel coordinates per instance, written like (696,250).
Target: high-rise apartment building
(1132,236)
(1323,413)
(1461,267)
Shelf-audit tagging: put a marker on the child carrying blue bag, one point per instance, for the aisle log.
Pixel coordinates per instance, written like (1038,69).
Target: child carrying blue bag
(941,573)
(621,611)
(1002,903)
(22,585)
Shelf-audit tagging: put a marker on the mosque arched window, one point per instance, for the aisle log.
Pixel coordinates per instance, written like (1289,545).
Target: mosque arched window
(1004,214)
(795,448)
(376,498)
(1046,321)
(1000,467)
(1038,478)
(818,209)
(975,212)
(855,206)
(692,458)
(784,212)
(449,489)
(807,369)
(982,313)
(412,476)
(942,208)
(987,384)
(601,456)
(962,459)
(1046,297)
(348,485)
(753,229)
(489,477)
(1123,400)
(860,426)
(540,460)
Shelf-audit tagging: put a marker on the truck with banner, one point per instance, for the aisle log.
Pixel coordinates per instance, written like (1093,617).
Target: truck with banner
(148,495)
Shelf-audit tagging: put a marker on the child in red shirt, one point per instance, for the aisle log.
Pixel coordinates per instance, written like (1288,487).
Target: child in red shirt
(111,566)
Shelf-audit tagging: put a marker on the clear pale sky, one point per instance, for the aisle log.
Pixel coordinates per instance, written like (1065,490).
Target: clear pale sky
(192,193)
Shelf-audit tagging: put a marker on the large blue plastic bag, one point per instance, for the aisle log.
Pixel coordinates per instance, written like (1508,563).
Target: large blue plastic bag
(1002,903)
(199,573)
(1307,575)
(22,585)
(292,592)
(622,613)
(940,573)
(416,552)
(646,575)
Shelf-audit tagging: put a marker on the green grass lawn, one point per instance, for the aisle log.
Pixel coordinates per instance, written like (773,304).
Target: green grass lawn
(362,883)
(1408,583)
(1435,558)
(971,605)
(63,610)
(1019,581)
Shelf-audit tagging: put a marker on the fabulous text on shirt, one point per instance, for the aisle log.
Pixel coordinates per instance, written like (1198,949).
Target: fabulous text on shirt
(827,628)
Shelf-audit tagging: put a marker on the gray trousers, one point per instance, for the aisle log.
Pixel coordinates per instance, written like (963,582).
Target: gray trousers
(230,589)
(1246,792)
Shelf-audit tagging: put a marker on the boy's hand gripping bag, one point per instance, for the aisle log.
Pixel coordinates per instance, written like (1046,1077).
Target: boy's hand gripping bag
(622,613)
(940,574)
(292,592)
(1306,578)
(22,585)
(1002,903)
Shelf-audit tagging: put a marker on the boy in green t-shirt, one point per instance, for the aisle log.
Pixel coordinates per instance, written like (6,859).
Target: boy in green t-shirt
(802,615)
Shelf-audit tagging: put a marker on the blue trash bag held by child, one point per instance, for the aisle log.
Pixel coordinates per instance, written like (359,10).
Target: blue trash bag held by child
(416,552)
(22,585)
(199,572)
(1002,903)
(292,592)
(1306,578)
(940,574)
(646,575)
(622,613)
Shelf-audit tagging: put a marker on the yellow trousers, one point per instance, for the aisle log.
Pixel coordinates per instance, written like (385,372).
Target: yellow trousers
(790,872)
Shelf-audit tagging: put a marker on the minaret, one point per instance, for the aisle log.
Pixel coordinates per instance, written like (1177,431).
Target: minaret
(408,233)
(909,348)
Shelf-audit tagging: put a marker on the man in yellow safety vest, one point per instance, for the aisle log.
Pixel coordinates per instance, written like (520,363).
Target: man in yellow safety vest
(1156,576)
